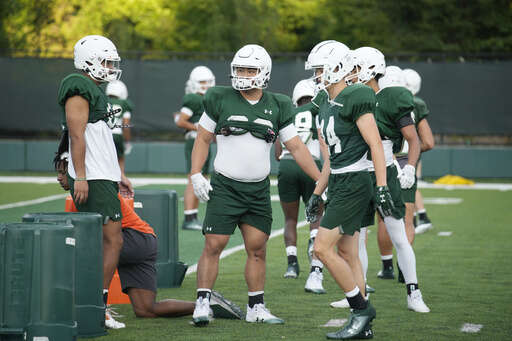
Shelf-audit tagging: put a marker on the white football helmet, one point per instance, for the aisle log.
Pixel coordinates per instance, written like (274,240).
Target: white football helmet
(305,87)
(118,89)
(317,56)
(201,74)
(97,56)
(371,63)
(188,87)
(394,77)
(412,80)
(337,65)
(254,57)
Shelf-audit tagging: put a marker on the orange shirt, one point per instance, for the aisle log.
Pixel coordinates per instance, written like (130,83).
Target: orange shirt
(130,219)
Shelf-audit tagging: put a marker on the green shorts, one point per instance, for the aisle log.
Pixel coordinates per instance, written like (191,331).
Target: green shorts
(409,194)
(189,145)
(102,199)
(293,183)
(348,198)
(119,142)
(396,194)
(233,203)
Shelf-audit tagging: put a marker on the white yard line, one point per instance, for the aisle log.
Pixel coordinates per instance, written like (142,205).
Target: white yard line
(193,268)
(34,201)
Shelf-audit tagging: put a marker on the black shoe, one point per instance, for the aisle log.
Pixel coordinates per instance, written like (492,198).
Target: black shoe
(386,273)
(224,308)
(401,278)
(424,224)
(292,271)
(358,325)
(415,221)
(369,289)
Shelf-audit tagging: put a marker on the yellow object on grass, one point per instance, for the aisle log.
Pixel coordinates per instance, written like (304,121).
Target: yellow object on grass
(453,180)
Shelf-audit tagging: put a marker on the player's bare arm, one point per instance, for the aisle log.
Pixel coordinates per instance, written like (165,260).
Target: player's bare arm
(425,135)
(303,157)
(411,136)
(369,131)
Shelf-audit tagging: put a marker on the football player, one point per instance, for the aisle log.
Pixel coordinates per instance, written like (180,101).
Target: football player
(348,128)
(293,183)
(420,113)
(246,121)
(94,176)
(118,97)
(200,80)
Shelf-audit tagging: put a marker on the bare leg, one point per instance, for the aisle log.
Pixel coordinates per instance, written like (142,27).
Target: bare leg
(112,245)
(208,265)
(385,244)
(144,305)
(291,211)
(256,247)
(348,249)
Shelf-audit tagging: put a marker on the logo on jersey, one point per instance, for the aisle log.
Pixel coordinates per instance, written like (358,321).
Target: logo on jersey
(268,111)
(209,228)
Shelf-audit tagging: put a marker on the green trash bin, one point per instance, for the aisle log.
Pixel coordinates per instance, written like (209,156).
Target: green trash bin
(37,272)
(160,209)
(89,307)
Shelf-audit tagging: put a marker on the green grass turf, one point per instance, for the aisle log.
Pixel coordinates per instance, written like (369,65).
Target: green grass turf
(465,278)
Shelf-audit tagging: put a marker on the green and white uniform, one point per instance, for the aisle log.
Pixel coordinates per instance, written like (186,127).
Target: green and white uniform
(126,107)
(292,182)
(419,113)
(101,167)
(245,135)
(394,106)
(350,188)
(193,107)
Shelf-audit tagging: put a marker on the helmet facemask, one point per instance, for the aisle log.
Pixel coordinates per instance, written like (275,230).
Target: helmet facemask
(97,56)
(104,68)
(251,57)
(259,81)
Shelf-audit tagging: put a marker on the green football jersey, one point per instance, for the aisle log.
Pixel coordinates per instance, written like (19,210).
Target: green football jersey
(337,120)
(79,85)
(194,102)
(393,103)
(126,106)
(233,114)
(420,110)
(304,121)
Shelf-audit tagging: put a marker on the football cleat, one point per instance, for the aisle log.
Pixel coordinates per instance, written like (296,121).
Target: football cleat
(424,224)
(340,304)
(314,282)
(358,325)
(415,302)
(259,313)
(110,322)
(194,225)
(202,312)
(224,308)
(292,271)
(386,273)
(369,289)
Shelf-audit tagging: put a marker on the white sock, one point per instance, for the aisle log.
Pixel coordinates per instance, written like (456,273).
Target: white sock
(316,262)
(255,293)
(363,254)
(313,233)
(291,250)
(386,257)
(404,251)
(187,212)
(353,292)
(421,211)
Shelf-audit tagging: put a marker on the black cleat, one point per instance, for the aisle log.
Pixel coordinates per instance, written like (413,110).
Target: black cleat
(358,325)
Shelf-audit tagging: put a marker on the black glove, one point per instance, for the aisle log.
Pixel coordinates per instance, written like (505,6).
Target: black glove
(384,201)
(313,208)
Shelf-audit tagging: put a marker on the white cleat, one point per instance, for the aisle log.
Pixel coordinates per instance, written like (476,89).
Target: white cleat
(340,304)
(314,282)
(260,314)
(423,228)
(415,302)
(202,312)
(110,322)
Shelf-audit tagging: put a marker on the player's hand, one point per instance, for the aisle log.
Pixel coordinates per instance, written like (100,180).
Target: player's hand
(127,148)
(407,178)
(125,187)
(384,201)
(201,186)
(313,208)
(81,191)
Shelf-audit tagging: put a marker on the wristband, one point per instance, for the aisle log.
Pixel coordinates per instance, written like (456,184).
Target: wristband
(81,179)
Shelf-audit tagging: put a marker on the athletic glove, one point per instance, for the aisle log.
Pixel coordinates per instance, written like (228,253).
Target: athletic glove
(201,186)
(313,208)
(407,178)
(384,201)
(127,148)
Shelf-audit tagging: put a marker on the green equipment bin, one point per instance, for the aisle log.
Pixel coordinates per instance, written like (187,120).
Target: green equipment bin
(89,307)
(160,209)
(37,270)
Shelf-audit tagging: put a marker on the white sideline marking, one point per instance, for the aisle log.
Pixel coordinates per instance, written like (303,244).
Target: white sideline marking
(335,323)
(471,328)
(33,202)
(183,181)
(444,233)
(193,268)
(442,201)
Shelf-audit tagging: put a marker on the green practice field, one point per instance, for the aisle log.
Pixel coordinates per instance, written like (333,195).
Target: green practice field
(465,277)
